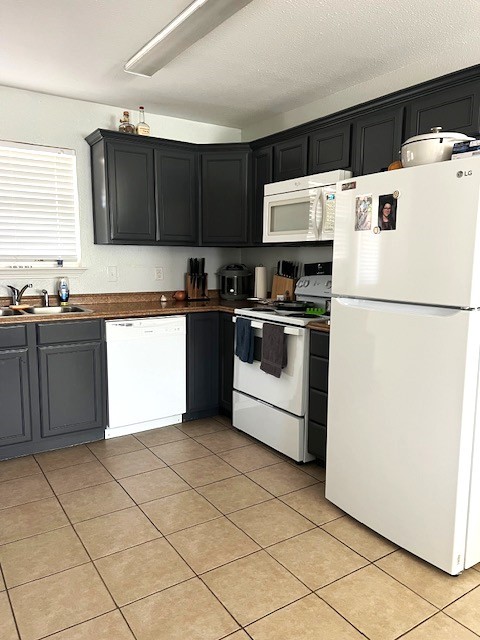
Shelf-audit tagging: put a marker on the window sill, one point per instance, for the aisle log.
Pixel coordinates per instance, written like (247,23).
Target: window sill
(38,273)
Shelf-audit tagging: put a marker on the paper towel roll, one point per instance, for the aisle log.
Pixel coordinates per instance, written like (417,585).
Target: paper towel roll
(260,290)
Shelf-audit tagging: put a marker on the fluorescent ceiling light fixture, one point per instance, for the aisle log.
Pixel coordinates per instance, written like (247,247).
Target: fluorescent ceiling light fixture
(191,25)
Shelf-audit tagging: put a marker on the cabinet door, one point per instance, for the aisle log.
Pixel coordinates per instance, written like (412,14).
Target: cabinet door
(71,388)
(377,140)
(318,394)
(15,418)
(454,109)
(131,192)
(290,159)
(176,196)
(329,149)
(262,175)
(224,198)
(227,333)
(202,364)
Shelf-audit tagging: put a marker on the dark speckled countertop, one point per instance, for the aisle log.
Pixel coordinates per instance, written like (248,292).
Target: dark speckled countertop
(124,305)
(110,306)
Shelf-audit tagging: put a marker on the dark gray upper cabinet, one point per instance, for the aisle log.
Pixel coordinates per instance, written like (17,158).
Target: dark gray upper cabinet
(455,108)
(262,160)
(145,190)
(131,193)
(329,149)
(225,191)
(290,159)
(377,140)
(176,196)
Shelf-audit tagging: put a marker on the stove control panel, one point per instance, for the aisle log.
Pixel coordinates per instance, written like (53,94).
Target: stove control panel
(314,286)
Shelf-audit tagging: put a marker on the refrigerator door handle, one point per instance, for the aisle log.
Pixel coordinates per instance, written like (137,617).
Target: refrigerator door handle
(398,308)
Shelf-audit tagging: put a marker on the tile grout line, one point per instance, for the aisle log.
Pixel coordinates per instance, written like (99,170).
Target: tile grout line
(2,575)
(97,571)
(199,575)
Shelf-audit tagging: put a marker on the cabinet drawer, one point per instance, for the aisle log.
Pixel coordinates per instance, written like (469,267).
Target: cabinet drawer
(319,373)
(319,344)
(13,336)
(317,439)
(317,409)
(60,332)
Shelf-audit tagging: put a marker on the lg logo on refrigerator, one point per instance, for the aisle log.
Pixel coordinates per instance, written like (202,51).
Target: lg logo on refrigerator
(464,174)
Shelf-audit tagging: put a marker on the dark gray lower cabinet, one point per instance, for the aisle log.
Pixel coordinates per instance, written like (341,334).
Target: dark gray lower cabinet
(70,388)
(318,394)
(52,386)
(15,405)
(202,365)
(227,339)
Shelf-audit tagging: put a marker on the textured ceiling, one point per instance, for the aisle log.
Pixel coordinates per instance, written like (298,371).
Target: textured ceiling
(270,57)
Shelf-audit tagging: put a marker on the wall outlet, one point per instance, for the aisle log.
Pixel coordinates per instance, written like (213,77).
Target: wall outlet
(158,273)
(112,274)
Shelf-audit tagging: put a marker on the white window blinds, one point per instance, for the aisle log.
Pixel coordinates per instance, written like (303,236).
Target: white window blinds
(38,204)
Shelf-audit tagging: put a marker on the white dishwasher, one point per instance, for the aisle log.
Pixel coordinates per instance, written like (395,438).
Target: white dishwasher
(146,371)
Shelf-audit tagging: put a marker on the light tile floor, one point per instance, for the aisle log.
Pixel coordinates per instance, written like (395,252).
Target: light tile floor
(197,532)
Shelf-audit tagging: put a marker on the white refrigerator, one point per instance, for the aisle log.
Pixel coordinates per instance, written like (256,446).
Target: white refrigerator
(403,447)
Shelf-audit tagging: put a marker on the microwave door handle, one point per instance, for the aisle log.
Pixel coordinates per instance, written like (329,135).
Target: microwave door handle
(318,213)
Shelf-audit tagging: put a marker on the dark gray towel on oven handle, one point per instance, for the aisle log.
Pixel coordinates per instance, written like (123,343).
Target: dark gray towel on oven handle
(244,340)
(274,349)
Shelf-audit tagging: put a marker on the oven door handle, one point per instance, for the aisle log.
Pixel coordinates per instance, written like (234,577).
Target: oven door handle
(289,331)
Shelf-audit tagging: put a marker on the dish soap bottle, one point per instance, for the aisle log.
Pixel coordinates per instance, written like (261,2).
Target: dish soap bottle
(63,291)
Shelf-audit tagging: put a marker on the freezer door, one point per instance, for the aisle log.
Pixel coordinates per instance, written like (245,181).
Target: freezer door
(428,255)
(401,410)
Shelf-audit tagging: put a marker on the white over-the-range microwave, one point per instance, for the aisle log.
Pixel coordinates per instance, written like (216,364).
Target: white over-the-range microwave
(302,209)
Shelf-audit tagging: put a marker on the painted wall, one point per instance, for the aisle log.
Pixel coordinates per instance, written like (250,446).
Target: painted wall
(62,122)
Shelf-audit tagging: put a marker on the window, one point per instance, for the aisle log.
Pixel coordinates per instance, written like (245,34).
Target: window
(38,206)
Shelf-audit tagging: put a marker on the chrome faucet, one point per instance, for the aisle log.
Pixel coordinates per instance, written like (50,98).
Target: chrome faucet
(46,299)
(18,293)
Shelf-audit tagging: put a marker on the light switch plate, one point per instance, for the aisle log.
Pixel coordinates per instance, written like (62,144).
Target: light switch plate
(112,274)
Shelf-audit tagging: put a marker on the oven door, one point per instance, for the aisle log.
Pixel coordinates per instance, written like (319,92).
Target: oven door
(287,392)
(291,217)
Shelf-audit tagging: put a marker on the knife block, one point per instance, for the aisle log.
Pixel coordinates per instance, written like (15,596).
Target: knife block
(194,291)
(283,286)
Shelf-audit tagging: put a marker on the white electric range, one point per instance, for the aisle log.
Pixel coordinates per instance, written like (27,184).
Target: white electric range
(313,290)
(273,410)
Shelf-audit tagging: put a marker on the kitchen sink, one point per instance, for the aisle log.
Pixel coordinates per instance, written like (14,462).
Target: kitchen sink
(51,311)
(5,311)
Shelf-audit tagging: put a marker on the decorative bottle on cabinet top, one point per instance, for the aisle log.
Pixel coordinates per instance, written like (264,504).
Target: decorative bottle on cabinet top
(143,128)
(125,125)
